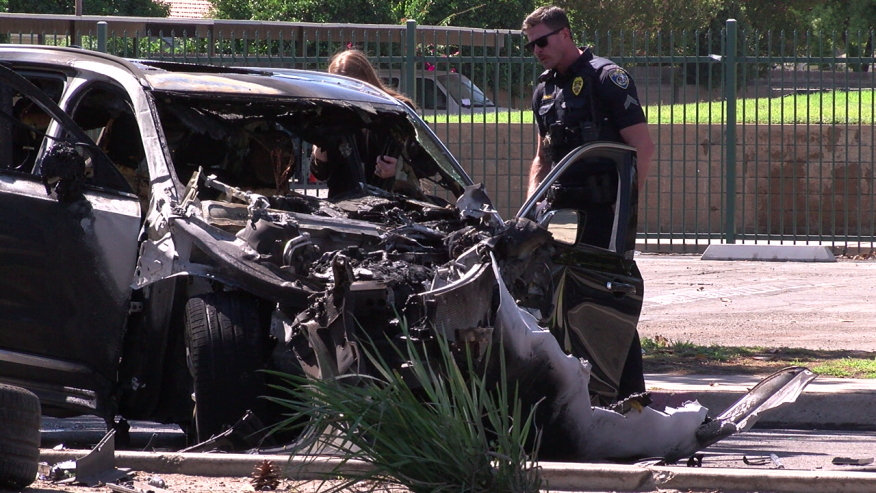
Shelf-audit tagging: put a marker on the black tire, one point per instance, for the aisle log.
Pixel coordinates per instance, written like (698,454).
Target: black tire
(19,436)
(225,348)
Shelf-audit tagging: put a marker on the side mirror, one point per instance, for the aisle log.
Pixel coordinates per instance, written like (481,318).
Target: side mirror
(564,225)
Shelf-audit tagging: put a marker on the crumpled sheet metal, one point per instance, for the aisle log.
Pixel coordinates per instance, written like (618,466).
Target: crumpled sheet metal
(594,433)
(775,390)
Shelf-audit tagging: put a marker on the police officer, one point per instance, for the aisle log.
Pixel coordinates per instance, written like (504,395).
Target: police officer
(582,98)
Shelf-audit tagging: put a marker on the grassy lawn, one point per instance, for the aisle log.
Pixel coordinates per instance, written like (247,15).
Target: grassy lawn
(835,107)
(839,107)
(664,356)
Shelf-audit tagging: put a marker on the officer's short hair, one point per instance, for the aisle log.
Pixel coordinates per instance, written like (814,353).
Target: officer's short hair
(553,17)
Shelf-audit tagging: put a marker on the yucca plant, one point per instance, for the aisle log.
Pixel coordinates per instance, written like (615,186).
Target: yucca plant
(453,430)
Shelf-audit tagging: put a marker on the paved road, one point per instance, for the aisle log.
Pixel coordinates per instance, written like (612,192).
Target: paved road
(806,450)
(769,304)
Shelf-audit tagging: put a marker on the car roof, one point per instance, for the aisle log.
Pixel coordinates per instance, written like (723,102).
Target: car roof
(198,79)
(60,56)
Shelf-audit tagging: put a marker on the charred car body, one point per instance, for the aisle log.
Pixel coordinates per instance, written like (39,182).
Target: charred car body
(156,256)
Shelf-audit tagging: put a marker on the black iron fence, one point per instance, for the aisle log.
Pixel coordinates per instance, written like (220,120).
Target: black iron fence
(798,107)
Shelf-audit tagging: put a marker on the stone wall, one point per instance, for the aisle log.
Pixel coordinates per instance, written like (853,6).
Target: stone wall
(815,180)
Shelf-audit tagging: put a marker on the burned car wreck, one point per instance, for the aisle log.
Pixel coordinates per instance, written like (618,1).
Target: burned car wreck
(161,247)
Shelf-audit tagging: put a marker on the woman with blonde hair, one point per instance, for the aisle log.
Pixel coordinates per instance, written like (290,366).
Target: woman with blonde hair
(326,167)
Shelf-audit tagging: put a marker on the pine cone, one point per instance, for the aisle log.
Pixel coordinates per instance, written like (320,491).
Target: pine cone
(265,476)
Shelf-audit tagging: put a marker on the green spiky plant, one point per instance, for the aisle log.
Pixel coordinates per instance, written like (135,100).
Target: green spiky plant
(457,432)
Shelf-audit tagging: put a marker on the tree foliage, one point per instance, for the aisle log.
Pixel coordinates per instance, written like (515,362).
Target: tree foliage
(134,8)
(492,14)
(585,15)
(495,14)
(322,11)
(639,15)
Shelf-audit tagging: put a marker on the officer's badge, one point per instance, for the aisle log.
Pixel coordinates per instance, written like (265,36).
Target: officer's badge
(577,84)
(620,78)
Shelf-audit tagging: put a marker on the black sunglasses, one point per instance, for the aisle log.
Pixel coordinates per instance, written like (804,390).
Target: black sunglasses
(541,41)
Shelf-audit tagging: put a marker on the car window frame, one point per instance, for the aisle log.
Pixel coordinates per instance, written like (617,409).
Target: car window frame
(622,217)
(61,121)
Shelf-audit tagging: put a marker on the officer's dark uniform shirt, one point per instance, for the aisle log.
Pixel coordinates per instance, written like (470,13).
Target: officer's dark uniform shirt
(592,89)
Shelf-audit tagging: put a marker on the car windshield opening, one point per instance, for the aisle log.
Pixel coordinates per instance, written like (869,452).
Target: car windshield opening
(265,145)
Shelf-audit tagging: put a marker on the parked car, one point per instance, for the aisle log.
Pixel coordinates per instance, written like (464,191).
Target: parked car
(156,254)
(443,93)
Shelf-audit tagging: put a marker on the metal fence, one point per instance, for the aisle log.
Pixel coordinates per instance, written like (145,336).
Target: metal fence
(798,106)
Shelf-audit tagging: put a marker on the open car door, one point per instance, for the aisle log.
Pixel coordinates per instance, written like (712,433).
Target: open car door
(68,247)
(589,203)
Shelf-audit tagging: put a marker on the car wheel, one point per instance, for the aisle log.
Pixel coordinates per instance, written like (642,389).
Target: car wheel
(225,348)
(19,436)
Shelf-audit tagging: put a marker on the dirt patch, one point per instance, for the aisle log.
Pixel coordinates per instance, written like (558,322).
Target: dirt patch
(178,483)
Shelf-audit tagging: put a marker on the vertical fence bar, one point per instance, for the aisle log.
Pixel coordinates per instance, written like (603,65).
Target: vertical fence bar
(101,36)
(745,53)
(849,173)
(410,57)
(872,179)
(673,98)
(658,163)
(769,131)
(730,96)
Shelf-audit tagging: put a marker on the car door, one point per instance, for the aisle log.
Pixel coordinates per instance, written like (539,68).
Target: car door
(589,202)
(68,243)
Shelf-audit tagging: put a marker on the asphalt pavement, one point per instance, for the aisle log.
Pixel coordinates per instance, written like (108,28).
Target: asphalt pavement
(813,305)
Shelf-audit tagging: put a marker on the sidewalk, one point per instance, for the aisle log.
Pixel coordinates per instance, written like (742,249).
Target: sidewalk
(568,477)
(825,404)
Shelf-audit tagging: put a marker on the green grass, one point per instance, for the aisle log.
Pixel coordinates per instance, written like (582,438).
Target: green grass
(847,368)
(829,108)
(839,107)
(664,356)
(512,116)
(690,350)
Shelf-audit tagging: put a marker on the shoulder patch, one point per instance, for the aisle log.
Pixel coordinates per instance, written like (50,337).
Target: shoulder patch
(619,77)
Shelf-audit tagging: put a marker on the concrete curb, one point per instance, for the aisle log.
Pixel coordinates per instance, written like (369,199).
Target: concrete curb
(559,476)
(825,404)
(775,253)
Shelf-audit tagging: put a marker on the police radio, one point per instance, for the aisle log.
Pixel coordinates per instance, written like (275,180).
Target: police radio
(562,138)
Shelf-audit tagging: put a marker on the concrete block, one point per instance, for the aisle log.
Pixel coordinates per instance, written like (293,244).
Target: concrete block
(770,253)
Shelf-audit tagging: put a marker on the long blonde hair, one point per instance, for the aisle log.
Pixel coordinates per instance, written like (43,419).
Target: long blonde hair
(355,64)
